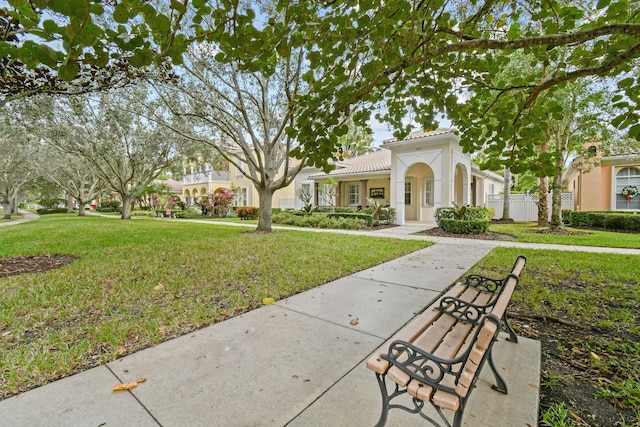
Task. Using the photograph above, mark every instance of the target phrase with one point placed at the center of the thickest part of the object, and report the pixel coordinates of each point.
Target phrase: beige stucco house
(202, 180)
(597, 182)
(415, 176)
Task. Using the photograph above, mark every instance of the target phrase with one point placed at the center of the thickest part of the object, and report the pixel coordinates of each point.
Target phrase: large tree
(110, 132)
(74, 175)
(18, 158)
(421, 57)
(245, 115)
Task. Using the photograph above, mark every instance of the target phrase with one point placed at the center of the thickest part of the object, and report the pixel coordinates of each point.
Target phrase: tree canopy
(401, 57)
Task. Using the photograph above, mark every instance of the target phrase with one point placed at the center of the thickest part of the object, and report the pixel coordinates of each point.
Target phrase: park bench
(437, 357)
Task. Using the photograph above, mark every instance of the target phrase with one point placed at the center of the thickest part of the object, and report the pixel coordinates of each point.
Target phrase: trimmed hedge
(470, 213)
(367, 218)
(463, 226)
(247, 212)
(44, 211)
(616, 220)
(317, 220)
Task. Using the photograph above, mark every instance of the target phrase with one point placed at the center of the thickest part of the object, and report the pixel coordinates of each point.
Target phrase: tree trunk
(264, 214)
(556, 198)
(506, 207)
(14, 206)
(81, 209)
(543, 202)
(69, 203)
(6, 206)
(126, 207)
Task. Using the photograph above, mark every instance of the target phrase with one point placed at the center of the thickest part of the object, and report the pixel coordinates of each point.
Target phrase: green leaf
(68, 70)
(47, 55)
(121, 13)
(141, 58)
(179, 7)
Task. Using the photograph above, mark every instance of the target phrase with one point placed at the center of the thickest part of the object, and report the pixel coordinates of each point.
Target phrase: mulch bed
(13, 266)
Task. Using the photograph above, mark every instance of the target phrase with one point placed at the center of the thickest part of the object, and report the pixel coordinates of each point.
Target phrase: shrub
(616, 220)
(462, 226)
(247, 212)
(142, 212)
(44, 211)
(319, 220)
(367, 218)
(466, 213)
(52, 203)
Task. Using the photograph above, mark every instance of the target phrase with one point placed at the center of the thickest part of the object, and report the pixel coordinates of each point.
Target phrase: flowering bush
(630, 191)
(217, 204)
(247, 212)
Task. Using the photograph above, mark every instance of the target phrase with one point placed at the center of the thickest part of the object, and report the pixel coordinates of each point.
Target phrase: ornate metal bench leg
(385, 400)
(512, 335)
(500, 385)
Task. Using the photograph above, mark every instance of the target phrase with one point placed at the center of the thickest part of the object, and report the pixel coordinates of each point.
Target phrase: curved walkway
(26, 216)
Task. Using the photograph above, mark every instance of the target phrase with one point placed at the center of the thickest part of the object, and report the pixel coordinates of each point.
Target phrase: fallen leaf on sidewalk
(125, 386)
(355, 321)
(128, 386)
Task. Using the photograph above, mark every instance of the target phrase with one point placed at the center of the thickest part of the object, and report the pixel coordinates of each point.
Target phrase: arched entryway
(419, 193)
(461, 185)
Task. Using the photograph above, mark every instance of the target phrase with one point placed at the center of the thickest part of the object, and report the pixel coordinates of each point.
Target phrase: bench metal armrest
(428, 368)
(465, 311)
(422, 366)
(483, 283)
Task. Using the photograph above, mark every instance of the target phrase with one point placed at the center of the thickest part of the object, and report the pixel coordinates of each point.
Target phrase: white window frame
(239, 169)
(409, 183)
(622, 181)
(242, 197)
(428, 192)
(353, 194)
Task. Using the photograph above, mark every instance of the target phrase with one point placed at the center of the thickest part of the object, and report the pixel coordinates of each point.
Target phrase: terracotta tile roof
(422, 134)
(378, 161)
(624, 150)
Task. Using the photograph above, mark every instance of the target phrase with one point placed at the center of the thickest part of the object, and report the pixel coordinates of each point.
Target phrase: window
(242, 197)
(492, 189)
(407, 192)
(239, 170)
(353, 194)
(428, 191)
(626, 177)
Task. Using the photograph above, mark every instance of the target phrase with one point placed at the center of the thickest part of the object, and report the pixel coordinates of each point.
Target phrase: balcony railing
(202, 177)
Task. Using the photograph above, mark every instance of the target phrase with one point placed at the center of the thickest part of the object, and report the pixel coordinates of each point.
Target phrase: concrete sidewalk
(298, 362)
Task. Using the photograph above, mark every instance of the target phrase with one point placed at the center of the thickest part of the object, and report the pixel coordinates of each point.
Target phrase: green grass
(140, 282)
(600, 292)
(13, 217)
(526, 232)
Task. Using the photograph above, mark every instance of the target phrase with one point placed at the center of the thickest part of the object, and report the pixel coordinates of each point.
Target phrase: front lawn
(138, 283)
(531, 233)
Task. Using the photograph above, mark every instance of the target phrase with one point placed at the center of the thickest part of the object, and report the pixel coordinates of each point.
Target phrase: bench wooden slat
(410, 332)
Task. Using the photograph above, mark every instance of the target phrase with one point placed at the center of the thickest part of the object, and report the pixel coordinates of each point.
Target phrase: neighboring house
(599, 187)
(175, 187)
(203, 180)
(416, 175)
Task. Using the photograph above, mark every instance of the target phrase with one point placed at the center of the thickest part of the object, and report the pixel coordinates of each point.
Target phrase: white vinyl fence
(287, 203)
(523, 207)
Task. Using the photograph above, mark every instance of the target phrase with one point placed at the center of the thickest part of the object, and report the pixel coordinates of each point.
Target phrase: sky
(382, 131)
